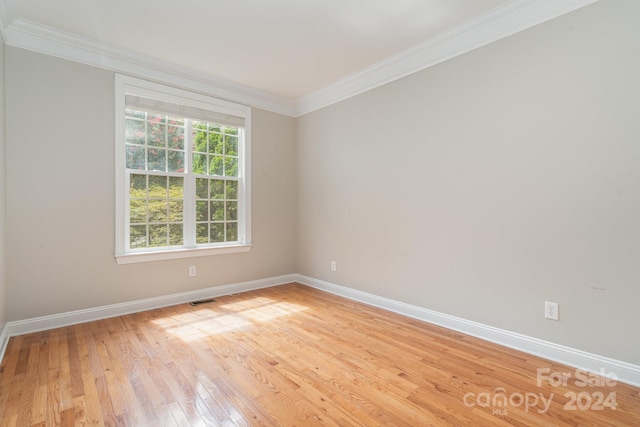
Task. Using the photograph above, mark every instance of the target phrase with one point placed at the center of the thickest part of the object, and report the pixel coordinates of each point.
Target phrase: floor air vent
(204, 301)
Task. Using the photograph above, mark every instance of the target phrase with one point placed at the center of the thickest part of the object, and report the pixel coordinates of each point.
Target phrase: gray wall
(490, 183)
(3, 276)
(60, 199)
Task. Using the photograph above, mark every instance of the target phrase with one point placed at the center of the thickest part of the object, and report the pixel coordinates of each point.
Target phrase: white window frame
(126, 84)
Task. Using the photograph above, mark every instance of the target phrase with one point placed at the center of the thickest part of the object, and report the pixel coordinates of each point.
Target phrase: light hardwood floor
(291, 356)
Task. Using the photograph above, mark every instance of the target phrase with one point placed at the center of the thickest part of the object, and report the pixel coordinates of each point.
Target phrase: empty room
(297, 213)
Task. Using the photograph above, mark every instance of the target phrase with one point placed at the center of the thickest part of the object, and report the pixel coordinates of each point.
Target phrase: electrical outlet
(192, 271)
(551, 310)
(334, 266)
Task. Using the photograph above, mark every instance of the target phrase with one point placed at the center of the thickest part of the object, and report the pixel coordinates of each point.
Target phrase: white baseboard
(625, 372)
(4, 341)
(37, 324)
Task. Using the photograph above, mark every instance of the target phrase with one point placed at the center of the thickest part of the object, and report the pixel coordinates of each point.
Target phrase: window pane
(232, 211)
(217, 189)
(157, 235)
(232, 231)
(176, 187)
(157, 134)
(202, 233)
(175, 211)
(217, 232)
(157, 160)
(215, 143)
(138, 236)
(175, 235)
(200, 163)
(175, 136)
(199, 137)
(138, 185)
(217, 211)
(138, 211)
(157, 210)
(202, 213)
(202, 191)
(135, 157)
(158, 186)
(135, 131)
(216, 165)
(232, 189)
(231, 145)
(230, 166)
(176, 161)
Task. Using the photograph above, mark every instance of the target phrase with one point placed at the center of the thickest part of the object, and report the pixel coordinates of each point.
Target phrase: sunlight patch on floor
(263, 309)
(204, 323)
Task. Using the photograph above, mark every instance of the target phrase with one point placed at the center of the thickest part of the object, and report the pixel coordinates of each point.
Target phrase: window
(182, 173)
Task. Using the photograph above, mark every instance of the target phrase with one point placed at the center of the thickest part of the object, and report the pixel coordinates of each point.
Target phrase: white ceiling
(287, 51)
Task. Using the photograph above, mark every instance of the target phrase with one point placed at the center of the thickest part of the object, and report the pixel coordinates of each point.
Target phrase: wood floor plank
(288, 355)
(93, 412)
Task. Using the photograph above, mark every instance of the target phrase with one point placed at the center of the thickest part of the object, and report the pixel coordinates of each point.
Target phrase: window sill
(132, 258)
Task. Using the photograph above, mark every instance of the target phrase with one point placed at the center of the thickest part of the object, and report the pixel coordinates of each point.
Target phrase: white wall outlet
(192, 271)
(551, 310)
(334, 266)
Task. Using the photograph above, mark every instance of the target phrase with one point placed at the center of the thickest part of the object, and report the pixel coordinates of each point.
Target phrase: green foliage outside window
(215, 149)
(156, 143)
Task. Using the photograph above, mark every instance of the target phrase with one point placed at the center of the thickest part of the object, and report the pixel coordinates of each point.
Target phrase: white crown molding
(7, 15)
(39, 38)
(625, 372)
(501, 22)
